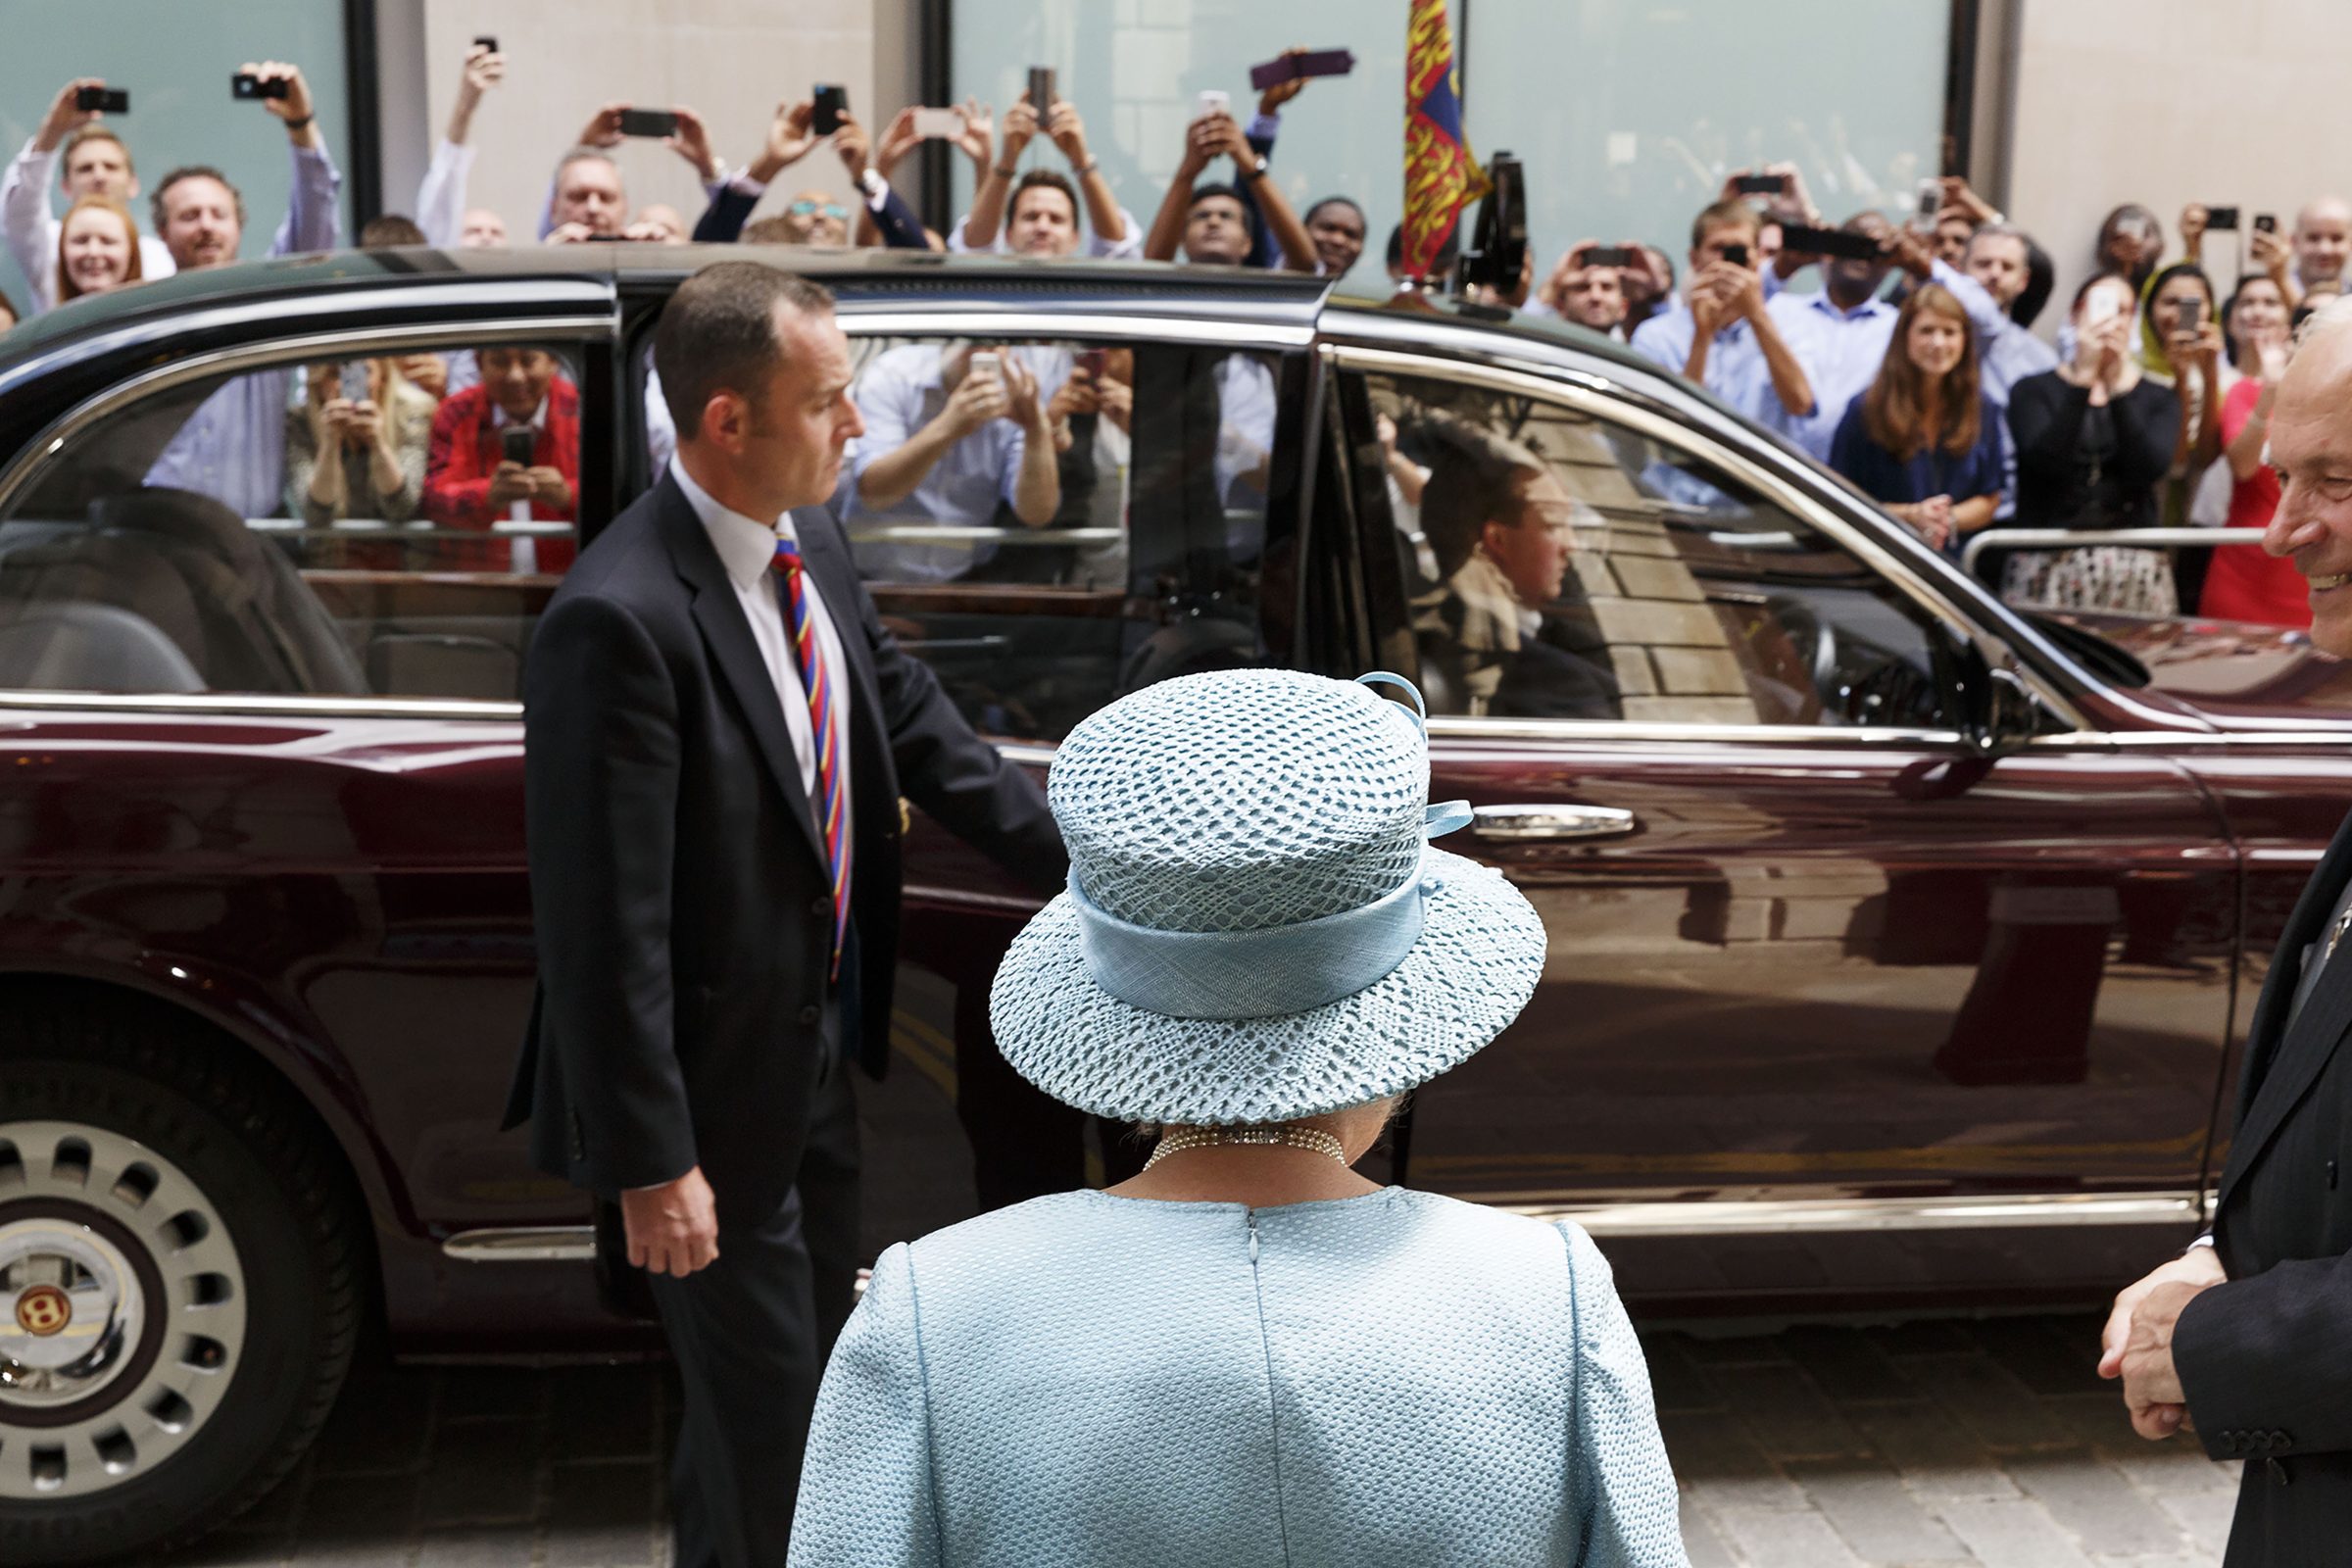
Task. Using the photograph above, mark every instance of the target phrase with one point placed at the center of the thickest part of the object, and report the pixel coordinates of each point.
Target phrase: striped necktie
(816, 680)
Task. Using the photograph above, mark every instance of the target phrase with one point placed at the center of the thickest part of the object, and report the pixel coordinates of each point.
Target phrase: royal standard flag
(1441, 177)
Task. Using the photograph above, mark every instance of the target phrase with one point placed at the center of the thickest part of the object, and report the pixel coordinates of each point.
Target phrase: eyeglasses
(808, 209)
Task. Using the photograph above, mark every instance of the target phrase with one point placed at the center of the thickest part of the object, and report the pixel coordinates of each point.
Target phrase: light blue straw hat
(1255, 927)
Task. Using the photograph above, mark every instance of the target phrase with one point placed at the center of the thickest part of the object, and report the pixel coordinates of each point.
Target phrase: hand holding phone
(2217, 218)
(2264, 222)
(485, 40)
(939, 124)
(653, 122)
(1609, 256)
(1761, 185)
(518, 443)
(248, 84)
(1294, 66)
(831, 101)
(1040, 91)
(1837, 244)
(103, 100)
(1736, 255)
(1212, 101)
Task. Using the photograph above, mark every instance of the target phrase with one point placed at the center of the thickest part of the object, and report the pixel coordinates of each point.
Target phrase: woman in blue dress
(1922, 439)
(1248, 1354)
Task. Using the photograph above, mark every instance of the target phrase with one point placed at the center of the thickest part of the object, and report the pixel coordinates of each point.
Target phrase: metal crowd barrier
(348, 527)
(2067, 538)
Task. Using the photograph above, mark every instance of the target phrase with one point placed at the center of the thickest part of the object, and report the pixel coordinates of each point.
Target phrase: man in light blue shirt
(1997, 260)
(945, 443)
(1845, 328)
(1722, 333)
(233, 447)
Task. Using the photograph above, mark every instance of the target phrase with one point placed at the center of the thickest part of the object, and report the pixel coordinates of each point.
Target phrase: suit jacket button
(2282, 1442)
(808, 1016)
(2227, 1441)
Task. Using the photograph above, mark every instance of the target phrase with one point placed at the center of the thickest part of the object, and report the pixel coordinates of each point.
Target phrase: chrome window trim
(2194, 740)
(1458, 728)
(1602, 399)
(1788, 1216)
(1056, 326)
(325, 705)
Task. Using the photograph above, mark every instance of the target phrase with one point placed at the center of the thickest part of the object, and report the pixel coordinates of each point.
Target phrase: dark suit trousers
(749, 1335)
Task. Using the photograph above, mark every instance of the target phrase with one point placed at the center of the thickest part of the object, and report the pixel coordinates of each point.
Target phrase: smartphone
(353, 382)
(1041, 90)
(648, 123)
(2189, 317)
(1736, 255)
(1761, 185)
(2220, 218)
(832, 101)
(1289, 68)
(2267, 223)
(106, 100)
(1612, 256)
(1930, 200)
(939, 124)
(1091, 361)
(1835, 243)
(1212, 101)
(484, 41)
(2104, 307)
(988, 362)
(519, 443)
(245, 84)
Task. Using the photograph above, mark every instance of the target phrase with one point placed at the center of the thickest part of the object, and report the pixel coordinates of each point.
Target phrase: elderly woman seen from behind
(1248, 1353)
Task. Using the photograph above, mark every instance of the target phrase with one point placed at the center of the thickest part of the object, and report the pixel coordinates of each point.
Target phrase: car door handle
(1509, 823)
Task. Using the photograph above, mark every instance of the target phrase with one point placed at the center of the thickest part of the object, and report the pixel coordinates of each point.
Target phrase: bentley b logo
(44, 1310)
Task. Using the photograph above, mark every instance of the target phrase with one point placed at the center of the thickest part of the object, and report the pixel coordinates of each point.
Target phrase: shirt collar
(1869, 307)
(500, 418)
(746, 547)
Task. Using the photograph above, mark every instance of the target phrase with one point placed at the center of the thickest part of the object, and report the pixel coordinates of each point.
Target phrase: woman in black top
(2093, 439)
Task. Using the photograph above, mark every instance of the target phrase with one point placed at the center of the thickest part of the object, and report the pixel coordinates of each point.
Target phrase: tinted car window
(384, 526)
(1049, 525)
(1563, 566)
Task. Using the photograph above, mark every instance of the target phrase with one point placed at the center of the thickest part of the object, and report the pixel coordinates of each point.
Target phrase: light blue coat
(1393, 1379)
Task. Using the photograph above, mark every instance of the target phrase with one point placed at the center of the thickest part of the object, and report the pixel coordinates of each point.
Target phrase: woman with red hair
(97, 248)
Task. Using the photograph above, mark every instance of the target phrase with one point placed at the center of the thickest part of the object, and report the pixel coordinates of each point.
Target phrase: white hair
(2326, 324)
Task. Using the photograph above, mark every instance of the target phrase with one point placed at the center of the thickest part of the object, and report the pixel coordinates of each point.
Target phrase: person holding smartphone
(441, 210)
(356, 447)
(1723, 333)
(2095, 438)
(84, 155)
(2245, 583)
(472, 479)
(1587, 286)
(2180, 347)
(1111, 230)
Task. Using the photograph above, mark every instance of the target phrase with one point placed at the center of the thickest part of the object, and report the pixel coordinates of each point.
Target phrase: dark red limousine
(1899, 944)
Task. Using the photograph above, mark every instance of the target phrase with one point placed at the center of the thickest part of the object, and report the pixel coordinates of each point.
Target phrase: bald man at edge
(2248, 1335)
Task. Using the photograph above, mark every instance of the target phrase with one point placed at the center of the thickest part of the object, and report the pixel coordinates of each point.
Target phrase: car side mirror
(1999, 706)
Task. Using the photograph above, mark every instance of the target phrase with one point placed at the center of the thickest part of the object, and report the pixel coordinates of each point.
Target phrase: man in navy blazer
(2248, 1335)
(687, 711)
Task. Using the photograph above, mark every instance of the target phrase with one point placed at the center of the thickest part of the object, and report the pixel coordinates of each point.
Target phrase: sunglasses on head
(808, 209)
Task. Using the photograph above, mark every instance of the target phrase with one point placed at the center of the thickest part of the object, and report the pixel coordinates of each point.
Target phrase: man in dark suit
(719, 732)
(2249, 1334)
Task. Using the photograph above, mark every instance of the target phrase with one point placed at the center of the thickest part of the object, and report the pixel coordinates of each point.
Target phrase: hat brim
(1473, 968)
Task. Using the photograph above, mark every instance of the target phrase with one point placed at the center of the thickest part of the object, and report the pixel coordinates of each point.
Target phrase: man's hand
(1270, 101)
(1068, 133)
(1020, 128)
(2201, 346)
(899, 138)
(788, 139)
(570, 234)
(510, 482)
(1958, 192)
(673, 1228)
(2192, 228)
(363, 424)
(426, 371)
(549, 486)
(1021, 405)
(979, 138)
(976, 400)
(1116, 399)
(692, 142)
(296, 104)
(64, 118)
(1909, 250)
(2122, 1354)
(2271, 349)
(485, 68)
(603, 128)
(1074, 396)
(2267, 250)
(854, 151)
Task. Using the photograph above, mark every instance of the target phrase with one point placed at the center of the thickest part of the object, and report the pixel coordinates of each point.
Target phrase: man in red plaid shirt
(469, 482)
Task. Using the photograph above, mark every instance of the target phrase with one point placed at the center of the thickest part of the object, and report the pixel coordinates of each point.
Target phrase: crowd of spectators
(2146, 405)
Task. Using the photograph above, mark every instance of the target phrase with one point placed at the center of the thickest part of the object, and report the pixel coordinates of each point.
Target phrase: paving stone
(1715, 1459)
(2028, 1349)
(2205, 1515)
(494, 1393)
(1999, 1409)
(1676, 1381)
(2102, 1510)
(480, 1547)
(1700, 1543)
(2012, 1534)
(609, 1513)
(1874, 1512)
(1769, 1538)
(2174, 1465)
(1786, 1412)
(604, 1412)
(1938, 1457)
(2096, 1419)
(484, 1472)
(382, 1421)
(1847, 1365)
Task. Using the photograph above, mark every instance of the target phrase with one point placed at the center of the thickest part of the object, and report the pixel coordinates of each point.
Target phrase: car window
(1561, 565)
(370, 526)
(1049, 525)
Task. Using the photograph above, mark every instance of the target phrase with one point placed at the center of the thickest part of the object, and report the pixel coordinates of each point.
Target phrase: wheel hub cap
(121, 1309)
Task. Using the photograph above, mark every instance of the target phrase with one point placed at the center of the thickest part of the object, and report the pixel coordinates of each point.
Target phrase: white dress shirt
(748, 550)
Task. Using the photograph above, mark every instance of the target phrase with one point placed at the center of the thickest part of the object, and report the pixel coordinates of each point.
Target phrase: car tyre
(225, 1221)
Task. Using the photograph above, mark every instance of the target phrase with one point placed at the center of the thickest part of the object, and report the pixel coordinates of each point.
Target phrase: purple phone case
(1286, 67)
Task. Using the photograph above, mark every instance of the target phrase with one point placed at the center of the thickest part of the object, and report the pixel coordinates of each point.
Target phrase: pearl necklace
(1280, 1136)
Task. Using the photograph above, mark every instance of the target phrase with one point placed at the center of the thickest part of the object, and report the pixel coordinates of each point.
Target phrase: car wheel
(178, 1286)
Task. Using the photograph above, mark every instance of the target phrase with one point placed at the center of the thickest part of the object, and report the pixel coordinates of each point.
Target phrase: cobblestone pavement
(1988, 1442)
